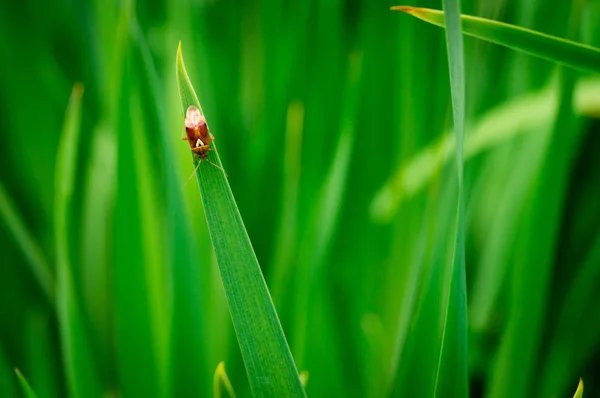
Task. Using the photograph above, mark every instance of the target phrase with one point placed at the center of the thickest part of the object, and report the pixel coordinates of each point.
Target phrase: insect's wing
(193, 117)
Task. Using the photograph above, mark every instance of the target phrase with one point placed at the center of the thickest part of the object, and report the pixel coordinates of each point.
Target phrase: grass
(340, 128)
(269, 363)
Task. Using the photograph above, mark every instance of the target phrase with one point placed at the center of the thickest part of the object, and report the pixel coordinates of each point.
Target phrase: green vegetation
(423, 205)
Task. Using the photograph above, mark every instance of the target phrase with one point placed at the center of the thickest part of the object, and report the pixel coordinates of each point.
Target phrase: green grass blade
(221, 379)
(8, 385)
(189, 372)
(579, 391)
(555, 49)
(325, 216)
(452, 378)
(42, 354)
(25, 387)
(27, 243)
(496, 127)
(77, 355)
(532, 265)
(269, 363)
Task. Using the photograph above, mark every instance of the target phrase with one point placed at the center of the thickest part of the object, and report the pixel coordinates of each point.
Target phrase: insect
(197, 134)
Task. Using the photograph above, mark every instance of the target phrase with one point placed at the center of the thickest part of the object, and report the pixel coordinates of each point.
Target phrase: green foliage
(340, 128)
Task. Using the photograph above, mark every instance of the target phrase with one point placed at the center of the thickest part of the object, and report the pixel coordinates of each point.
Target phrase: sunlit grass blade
(269, 363)
(532, 265)
(566, 52)
(495, 127)
(285, 248)
(579, 391)
(139, 285)
(221, 382)
(96, 229)
(27, 243)
(452, 378)
(25, 387)
(81, 375)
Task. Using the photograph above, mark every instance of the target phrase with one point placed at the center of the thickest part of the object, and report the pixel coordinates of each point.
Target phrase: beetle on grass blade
(198, 135)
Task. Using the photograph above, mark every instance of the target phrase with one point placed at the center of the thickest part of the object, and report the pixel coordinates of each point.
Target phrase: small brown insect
(198, 135)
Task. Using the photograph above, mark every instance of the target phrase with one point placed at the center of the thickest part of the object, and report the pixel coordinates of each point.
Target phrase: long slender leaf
(25, 387)
(496, 127)
(221, 381)
(579, 391)
(79, 363)
(269, 363)
(555, 49)
(452, 378)
(532, 266)
(27, 243)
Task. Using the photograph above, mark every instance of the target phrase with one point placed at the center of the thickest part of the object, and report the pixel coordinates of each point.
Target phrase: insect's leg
(194, 172)
(217, 166)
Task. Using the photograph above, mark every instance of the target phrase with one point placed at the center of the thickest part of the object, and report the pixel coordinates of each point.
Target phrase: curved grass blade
(77, 354)
(569, 53)
(25, 387)
(27, 243)
(267, 357)
(221, 379)
(495, 127)
(452, 378)
(532, 265)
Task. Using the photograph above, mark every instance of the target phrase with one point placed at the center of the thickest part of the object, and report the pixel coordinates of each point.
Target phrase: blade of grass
(503, 225)
(43, 368)
(325, 216)
(495, 127)
(25, 387)
(532, 267)
(555, 49)
(423, 343)
(77, 355)
(138, 276)
(221, 379)
(188, 370)
(452, 378)
(27, 243)
(285, 248)
(579, 391)
(96, 227)
(8, 385)
(269, 363)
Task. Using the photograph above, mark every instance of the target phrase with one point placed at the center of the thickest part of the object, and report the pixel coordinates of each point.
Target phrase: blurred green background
(333, 122)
